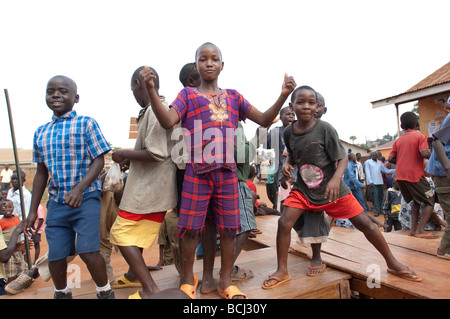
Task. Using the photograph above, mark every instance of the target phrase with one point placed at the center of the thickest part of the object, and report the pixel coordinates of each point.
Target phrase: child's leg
(397, 225)
(363, 223)
(192, 215)
(415, 212)
(285, 224)
(241, 239)
(86, 226)
(96, 266)
(442, 189)
(188, 247)
(389, 223)
(425, 214)
(133, 256)
(227, 247)
(58, 271)
(316, 259)
(209, 242)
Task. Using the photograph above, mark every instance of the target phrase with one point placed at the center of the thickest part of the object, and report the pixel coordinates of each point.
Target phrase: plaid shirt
(210, 150)
(67, 146)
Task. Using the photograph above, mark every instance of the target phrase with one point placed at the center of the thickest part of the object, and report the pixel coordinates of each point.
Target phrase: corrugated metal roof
(436, 83)
(440, 76)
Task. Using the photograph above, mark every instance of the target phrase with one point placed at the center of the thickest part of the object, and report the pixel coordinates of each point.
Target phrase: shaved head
(205, 44)
(68, 81)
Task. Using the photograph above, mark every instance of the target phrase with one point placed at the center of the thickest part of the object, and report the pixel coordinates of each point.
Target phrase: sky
(352, 52)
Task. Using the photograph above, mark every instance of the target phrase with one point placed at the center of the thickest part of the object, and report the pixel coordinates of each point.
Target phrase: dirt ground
(118, 263)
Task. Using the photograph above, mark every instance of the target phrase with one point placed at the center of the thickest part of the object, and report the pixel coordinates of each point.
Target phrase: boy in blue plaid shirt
(70, 151)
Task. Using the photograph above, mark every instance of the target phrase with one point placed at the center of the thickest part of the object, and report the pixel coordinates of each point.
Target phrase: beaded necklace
(217, 106)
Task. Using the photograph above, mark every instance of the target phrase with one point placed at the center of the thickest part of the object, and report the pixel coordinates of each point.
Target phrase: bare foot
(208, 286)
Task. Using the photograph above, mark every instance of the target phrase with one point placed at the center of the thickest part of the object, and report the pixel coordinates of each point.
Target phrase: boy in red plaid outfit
(210, 176)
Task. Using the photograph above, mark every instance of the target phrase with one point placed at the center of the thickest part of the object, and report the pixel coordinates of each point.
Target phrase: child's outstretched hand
(148, 76)
(288, 85)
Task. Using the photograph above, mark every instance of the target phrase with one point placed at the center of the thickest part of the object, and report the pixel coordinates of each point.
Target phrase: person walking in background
(374, 180)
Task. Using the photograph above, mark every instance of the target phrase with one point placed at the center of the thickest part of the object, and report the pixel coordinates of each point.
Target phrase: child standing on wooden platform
(313, 227)
(150, 191)
(69, 150)
(439, 168)
(211, 173)
(314, 146)
(408, 153)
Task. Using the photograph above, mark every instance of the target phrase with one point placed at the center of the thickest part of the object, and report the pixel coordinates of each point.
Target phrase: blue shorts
(65, 224)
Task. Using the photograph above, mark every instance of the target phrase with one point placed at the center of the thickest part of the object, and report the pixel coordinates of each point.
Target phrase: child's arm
(426, 153)
(39, 224)
(39, 185)
(441, 156)
(287, 168)
(332, 190)
(392, 159)
(74, 197)
(6, 253)
(265, 119)
(124, 154)
(167, 118)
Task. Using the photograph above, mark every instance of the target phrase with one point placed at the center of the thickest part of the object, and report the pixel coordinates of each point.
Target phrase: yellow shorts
(142, 233)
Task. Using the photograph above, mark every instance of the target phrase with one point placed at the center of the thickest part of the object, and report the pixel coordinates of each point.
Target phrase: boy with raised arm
(211, 172)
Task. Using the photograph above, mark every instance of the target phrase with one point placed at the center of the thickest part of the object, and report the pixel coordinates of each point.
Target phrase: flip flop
(405, 274)
(241, 274)
(310, 273)
(190, 290)
(136, 295)
(123, 282)
(230, 292)
(278, 279)
(427, 236)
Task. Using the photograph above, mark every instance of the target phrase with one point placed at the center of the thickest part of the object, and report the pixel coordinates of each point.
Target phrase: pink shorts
(345, 207)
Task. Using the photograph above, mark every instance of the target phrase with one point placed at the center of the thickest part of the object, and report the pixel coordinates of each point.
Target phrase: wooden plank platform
(350, 258)
(348, 250)
(334, 284)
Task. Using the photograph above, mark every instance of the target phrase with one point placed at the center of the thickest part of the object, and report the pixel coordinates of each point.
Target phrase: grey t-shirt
(315, 152)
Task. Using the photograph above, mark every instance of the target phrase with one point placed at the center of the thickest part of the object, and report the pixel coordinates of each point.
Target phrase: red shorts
(345, 207)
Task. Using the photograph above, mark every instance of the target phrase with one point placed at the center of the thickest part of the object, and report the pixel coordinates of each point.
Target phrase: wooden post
(19, 176)
(398, 120)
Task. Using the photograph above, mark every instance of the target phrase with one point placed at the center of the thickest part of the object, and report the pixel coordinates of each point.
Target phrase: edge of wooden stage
(333, 284)
(349, 251)
(350, 258)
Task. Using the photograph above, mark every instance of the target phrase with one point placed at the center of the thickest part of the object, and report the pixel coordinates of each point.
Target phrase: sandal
(278, 280)
(241, 274)
(408, 274)
(123, 282)
(311, 273)
(136, 295)
(230, 292)
(190, 290)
